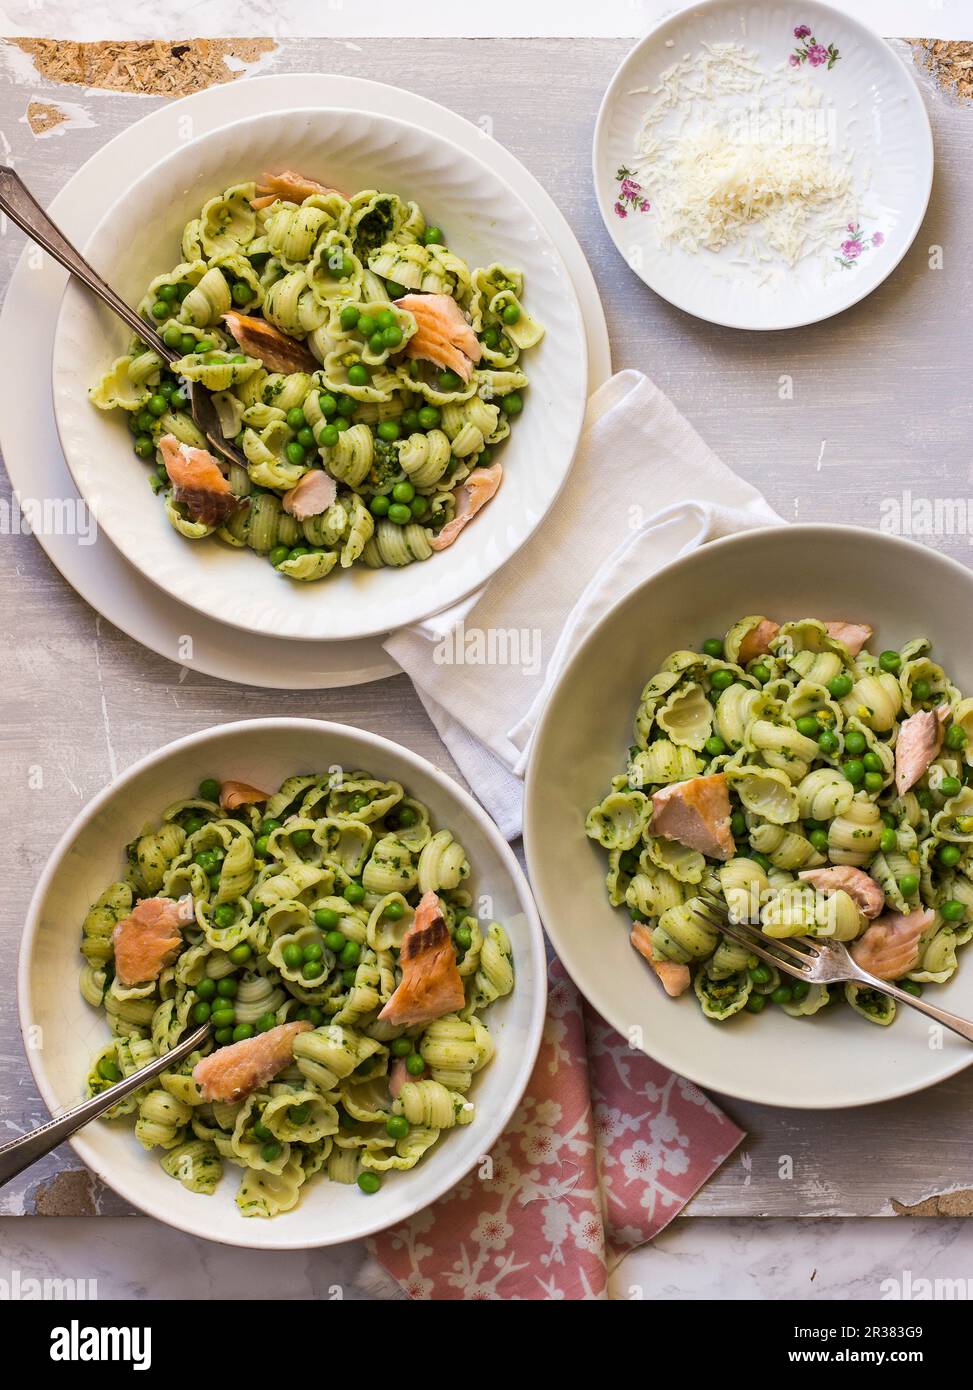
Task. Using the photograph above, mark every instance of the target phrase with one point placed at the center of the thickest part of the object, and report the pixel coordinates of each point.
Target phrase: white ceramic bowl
(868, 98)
(485, 220)
(91, 855)
(835, 1058)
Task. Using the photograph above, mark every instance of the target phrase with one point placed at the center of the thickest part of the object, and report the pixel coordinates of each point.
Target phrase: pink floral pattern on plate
(630, 195)
(855, 243)
(809, 51)
(605, 1149)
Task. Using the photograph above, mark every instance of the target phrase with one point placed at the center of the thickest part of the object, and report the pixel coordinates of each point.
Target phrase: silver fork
(20, 1153)
(819, 961)
(22, 208)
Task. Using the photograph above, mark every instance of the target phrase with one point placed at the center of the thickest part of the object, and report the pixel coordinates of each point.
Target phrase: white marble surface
(133, 1257)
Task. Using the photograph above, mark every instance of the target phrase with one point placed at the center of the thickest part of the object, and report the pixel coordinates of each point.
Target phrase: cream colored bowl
(91, 855)
(835, 1058)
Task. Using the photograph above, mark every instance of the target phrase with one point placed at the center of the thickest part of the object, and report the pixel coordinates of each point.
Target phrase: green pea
(353, 892)
(328, 436)
(714, 746)
(315, 1016)
(369, 1183)
(262, 1132)
(295, 418)
(807, 725)
(400, 514)
(410, 420)
(911, 987)
(756, 1003)
(760, 672)
(314, 950)
(782, 994)
(953, 910)
(161, 310)
(178, 400)
(300, 839)
(204, 858)
(890, 661)
(109, 1070)
(511, 313)
(376, 342)
(294, 453)
(713, 646)
(760, 974)
(342, 268)
(389, 431)
(871, 762)
(433, 236)
(889, 841)
(799, 990)
(347, 405)
(403, 492)
(721, 680)
(327, 403)
(950, 786)
(223, 1036)
(209, 789)
(144, 446)
(227, 987)
(172, 336)
(397, 1127)
(921, 690)
(393, 911)
(187, 344)
(379, 505)
(401, 1047)
(201, 1012)
(265, 1022)
(491, 337)
(762, 860)
(385, 318)
(241, 292)
(242, 1031)
(873, 781)
(429, 417)
(449, 381)
(206, 988)
(224, 915)
(299, 1114)
(205, 345)
(292, 956)
(414, 1064)
(819, 839)
(270, 1151)
(312, 969)
(326, 918)
(348, 318)
(350, 954)
(366, 325)
(854, 771)
(419, 506)
(298, 551)
(335, 941)
(464, 938)
(738, 824)
(828, 741)
(908, 884)
(949, 855)
(407, 816)
(224, 1015)
(348, 978)
(855, 742)
(924, 797)
(512, 404)
(840, 686)
(392, 336)
(358, 374)
(276, 557)
(394, 290)
(955, 736)
(157, 405)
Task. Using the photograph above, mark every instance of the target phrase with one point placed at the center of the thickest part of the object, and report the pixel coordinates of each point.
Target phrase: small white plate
(91, 854)
(32, 454)
(485, 222)
(863, 99)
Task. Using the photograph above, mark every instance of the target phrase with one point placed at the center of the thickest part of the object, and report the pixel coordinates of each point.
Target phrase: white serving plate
(141, 233)
(835, 1058)
(870, 100)
(91, 855)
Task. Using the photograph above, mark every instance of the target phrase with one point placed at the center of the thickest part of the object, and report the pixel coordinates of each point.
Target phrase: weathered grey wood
(880, 404)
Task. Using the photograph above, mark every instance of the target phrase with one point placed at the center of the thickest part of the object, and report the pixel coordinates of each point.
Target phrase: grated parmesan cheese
(761, 176)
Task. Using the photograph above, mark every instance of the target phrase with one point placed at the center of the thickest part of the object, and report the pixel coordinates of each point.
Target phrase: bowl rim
(601, 998)
(130, 1190)
(194, 597)
(620, 74)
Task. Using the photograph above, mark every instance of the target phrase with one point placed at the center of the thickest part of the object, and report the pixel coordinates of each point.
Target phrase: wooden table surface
(879, 404)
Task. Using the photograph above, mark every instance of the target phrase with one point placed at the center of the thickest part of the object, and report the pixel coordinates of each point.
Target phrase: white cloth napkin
(644, 489)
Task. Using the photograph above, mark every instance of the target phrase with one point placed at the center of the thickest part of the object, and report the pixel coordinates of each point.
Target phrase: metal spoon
(23, 209)
(21, 1153)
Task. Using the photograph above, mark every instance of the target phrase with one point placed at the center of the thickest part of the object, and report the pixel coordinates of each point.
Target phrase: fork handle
(21, 1153)
(22, 208)
(963, 1026)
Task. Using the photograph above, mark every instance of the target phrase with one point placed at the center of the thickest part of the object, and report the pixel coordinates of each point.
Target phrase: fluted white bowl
(486, 221)
(62, 1032)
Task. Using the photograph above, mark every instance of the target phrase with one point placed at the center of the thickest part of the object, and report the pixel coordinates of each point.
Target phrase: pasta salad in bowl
(810, 763)
(389, 339)
(370, 968)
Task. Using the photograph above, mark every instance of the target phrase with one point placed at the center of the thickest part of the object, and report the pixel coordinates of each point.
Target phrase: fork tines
(786, 955)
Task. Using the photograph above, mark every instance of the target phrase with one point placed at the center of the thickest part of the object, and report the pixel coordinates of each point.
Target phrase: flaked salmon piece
(853, 635)
(290, 186)
(919, 741)
(890, 946)
(675, 977)
(697, 814)
(149, 938)
(471, 495)
(398, 1076)
(230, 1073)
(311, 496)
(431, 985)
(198, 483)
(860, 887)
(234, 794)
(757, 641)
(442, 333)
(277, 351)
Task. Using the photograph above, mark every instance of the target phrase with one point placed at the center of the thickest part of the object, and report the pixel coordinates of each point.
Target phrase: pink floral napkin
(606, 1148)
